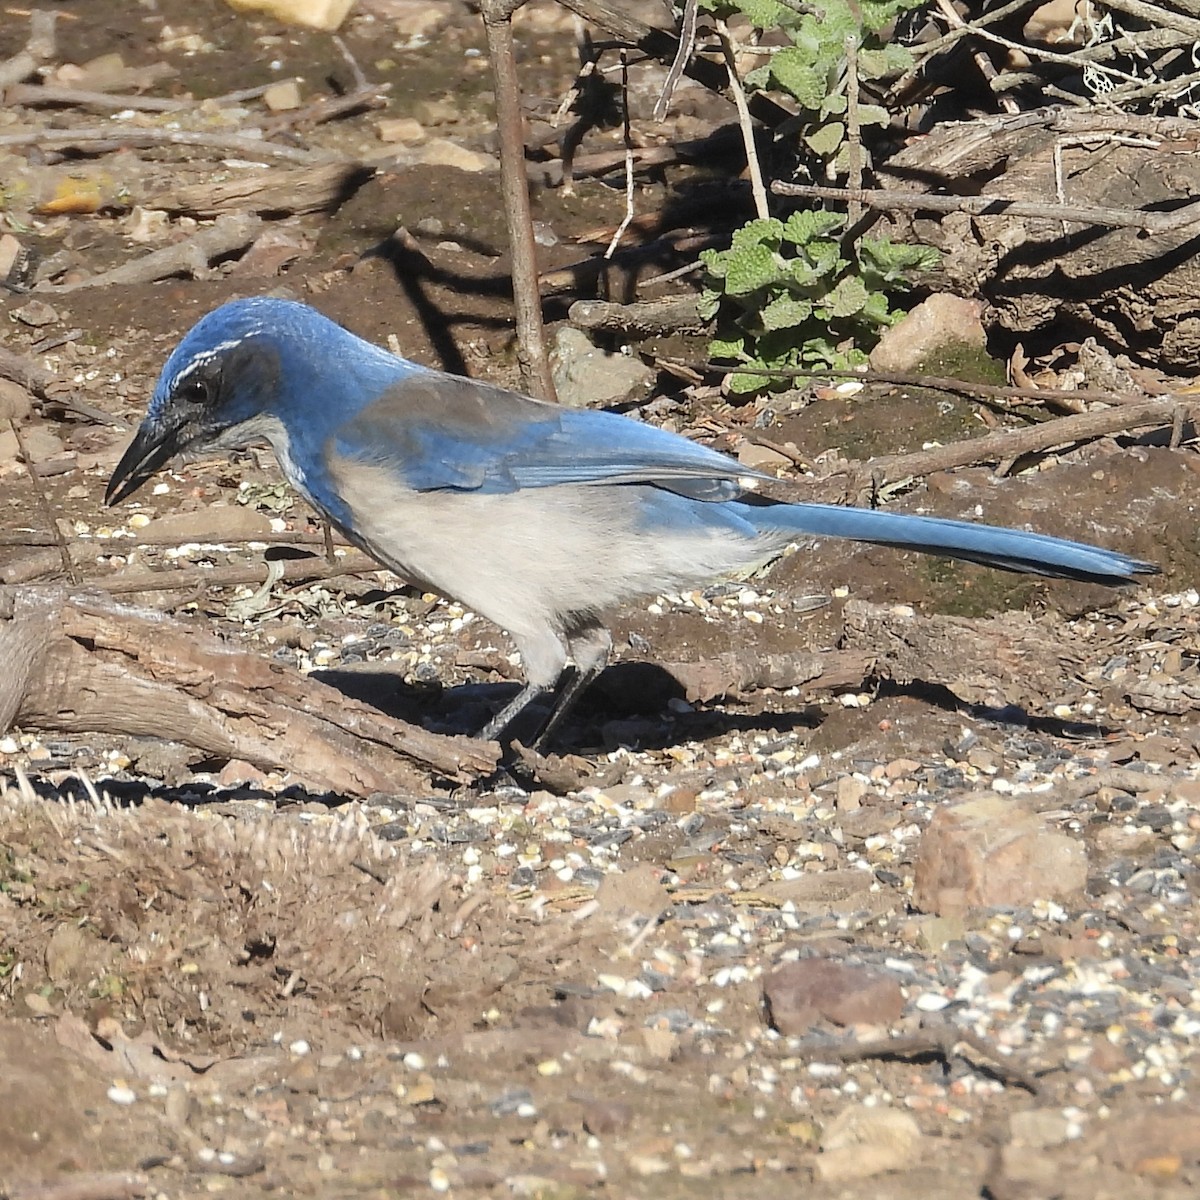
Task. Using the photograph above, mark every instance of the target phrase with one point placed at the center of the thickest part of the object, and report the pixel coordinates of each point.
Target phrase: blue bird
(539, 518)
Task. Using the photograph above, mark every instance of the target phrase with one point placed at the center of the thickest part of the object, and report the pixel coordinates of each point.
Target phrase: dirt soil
(882, 941)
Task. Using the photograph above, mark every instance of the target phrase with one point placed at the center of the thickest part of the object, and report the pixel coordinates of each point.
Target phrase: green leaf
(715, 262)
(795, 72)
(892, 59)
(895, 262)
(872, 114)
(818, 352)
(750, 269)
(810, 224)
(834, 105)
(708, 305)
(877, 311)
(825, 139)
(743, 382)
(727, 347)
(824, 257)
(777, 348)
(759, 79)
(801, 274)
(765, 14)
(786, 312)
(849, 297)
(877, 13)
(762, 231)
(836, 22)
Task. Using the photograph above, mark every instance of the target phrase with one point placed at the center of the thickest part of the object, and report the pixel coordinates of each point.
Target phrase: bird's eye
(194, 391)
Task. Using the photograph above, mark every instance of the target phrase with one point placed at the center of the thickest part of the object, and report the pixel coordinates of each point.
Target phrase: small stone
(931, 1002)
(850, 792)
(935, 324)
(991, 852)
(119, 1093)
(147, 225)
(408, 130)
(798, 994)
(237, 773)
(761, 458)
(283, 96)
(11, 252)
(586, 376)
(861, 1142)
(15, 402)
(1039, 1127)
(442, 152)
(325, 15)
(36, 314)
(211, 524)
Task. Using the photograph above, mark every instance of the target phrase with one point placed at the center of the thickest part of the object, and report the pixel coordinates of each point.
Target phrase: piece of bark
(77, 662)
(1126, 286)
(1007, 659)
(747, 671)
(647, 318)
(273, 192)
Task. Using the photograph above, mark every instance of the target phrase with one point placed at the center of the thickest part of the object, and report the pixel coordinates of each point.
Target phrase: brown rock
(798, 994)
(991, 852)
(282, 96)
(212, 524)
(15, 401)
(236, 772)
(940, 321)
(408, 130)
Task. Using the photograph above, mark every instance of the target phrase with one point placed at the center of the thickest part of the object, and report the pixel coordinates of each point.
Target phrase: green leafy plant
(786, 296)
(810, 67)
(797, 293)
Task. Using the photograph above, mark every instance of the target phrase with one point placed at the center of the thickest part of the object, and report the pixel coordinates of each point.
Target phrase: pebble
(799, 994)
(988, 852)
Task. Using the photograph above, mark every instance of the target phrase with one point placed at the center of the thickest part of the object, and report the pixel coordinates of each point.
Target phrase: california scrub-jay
(538, 517)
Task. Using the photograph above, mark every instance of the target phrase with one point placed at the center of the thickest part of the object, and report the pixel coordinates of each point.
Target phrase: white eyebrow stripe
(207, 355)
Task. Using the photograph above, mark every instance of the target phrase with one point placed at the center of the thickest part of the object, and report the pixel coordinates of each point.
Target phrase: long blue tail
(1008, 549)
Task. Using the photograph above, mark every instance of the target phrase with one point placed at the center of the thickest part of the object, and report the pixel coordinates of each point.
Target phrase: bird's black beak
(154, 444)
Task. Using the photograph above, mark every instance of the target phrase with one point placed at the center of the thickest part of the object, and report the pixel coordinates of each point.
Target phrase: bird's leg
(590, 644)
(513, 709)
(570, 687)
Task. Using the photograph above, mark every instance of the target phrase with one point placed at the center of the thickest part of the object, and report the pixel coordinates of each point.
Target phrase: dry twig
(99, 139)
(228, 234)
(1015, 443)
(999, 206)
(531, 334)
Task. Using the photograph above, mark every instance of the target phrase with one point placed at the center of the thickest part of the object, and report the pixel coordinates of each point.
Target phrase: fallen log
(78, 662)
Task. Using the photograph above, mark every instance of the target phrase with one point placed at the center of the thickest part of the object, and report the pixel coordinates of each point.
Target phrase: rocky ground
(933, 937)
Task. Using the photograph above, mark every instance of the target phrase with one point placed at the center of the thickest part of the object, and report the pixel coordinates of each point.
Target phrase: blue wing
(440, 432)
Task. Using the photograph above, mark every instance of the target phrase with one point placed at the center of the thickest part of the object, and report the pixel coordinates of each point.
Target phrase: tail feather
(994, 546)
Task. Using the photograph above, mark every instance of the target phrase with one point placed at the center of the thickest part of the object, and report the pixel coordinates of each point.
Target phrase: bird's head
(241, 374)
